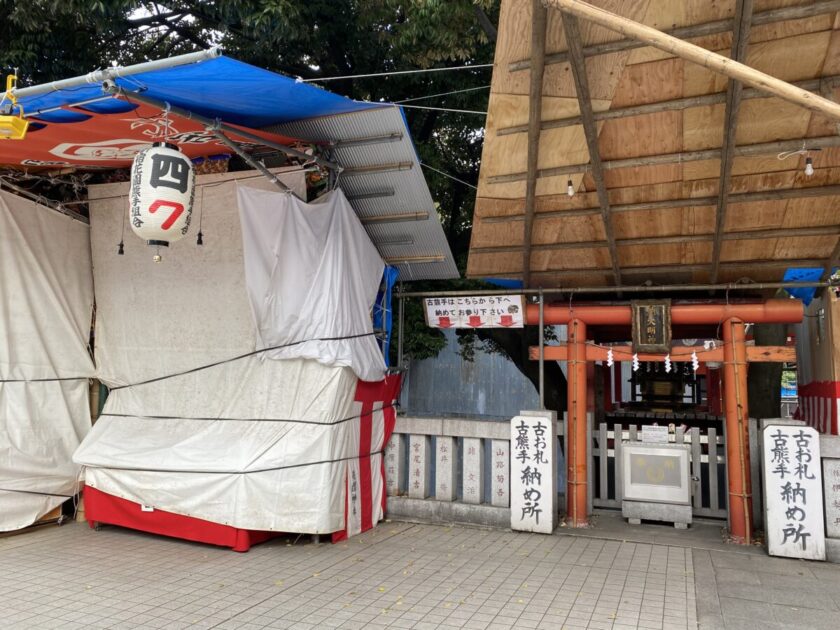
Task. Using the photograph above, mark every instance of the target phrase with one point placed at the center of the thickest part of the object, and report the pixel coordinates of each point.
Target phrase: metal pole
(251, 161)
(115, 90)
(732, 286)
(109, 74)
(401, 329)
(542, 353)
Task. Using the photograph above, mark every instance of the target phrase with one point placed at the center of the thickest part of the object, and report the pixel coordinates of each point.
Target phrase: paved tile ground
(744, 591)
(400, 575)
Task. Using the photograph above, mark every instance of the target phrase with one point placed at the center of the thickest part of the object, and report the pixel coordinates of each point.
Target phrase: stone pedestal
(636, 511)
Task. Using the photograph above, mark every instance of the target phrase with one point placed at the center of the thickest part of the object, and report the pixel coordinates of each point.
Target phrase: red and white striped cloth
(819, 406)
(375, 403)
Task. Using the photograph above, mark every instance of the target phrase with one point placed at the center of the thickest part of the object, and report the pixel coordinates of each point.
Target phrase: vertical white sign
(532, 473)
(831, 478)
(473, 485)
(500, 473)
(793, 490)
(419, 468)
(394, 458)
(445, 469)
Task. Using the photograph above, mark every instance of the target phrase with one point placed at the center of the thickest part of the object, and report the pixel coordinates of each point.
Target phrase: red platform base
(101, 507)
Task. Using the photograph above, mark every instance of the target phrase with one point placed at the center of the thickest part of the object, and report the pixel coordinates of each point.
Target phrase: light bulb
(157, 258)
(809, 167)
(570, 190)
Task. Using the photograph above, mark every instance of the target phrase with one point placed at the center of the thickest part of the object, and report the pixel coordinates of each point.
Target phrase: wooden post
(740, 36)
(696, 54)
(737, 432)
(576, 451)
(539, 19)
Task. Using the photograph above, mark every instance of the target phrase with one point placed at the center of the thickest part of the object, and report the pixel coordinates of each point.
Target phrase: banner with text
(485, 311)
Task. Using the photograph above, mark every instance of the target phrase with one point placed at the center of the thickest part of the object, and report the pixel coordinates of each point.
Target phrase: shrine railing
(458, 469)
(449, 470)
(707, 461)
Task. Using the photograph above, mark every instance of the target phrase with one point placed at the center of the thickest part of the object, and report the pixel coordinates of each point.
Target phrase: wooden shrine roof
(661, 123)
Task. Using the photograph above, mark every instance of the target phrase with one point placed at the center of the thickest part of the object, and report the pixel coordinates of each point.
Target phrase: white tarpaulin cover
(312, 274)
(46, 304)
(250, 443)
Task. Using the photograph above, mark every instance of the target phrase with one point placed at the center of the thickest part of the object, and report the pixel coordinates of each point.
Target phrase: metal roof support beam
(669, 204)
(741, 35)
(373, 194)
(676, 268)
(745, 150)
(361, 142)
(643, 288)
(394, 218)
(590, 129)
(824, 85)
(539, 20)
(820, 230)
(377, 168)
(407, 260)
(696, 30)
(696, 54)
(252, 162)
(212, 123)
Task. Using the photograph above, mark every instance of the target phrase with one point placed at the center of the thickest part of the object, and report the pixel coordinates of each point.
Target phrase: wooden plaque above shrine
(651, 325)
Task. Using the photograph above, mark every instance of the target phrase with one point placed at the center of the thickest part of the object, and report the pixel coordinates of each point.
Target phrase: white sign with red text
(484, 311)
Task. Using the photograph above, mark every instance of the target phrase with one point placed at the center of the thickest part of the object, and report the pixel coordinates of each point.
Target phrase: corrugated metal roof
(395, 205)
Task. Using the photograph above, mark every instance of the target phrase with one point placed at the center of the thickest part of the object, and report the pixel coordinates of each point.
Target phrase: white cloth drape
(46, 304)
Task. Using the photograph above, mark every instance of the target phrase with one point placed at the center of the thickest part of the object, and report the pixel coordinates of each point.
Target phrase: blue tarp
(237, 92)
(808, 274)
(382, 312)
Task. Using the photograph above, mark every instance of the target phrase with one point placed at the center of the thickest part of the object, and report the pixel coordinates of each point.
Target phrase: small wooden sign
(651, 325)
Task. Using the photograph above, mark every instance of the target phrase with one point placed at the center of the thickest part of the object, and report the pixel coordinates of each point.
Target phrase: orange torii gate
(735, 355)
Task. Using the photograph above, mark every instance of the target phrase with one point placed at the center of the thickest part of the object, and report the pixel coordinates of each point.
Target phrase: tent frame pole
(109, 74)
(253, 163)
(214, 124)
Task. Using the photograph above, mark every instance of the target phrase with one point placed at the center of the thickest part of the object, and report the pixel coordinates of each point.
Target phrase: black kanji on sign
(170, 171)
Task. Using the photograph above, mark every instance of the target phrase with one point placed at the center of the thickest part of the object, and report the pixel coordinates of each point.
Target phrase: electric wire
(398, 72)
(447, 109)
(419, 98)
(452, 177)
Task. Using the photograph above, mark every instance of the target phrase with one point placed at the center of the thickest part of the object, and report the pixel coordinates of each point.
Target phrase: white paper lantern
(161, 196)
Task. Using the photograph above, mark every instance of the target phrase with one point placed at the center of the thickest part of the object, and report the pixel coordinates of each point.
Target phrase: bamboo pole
(696, 54)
